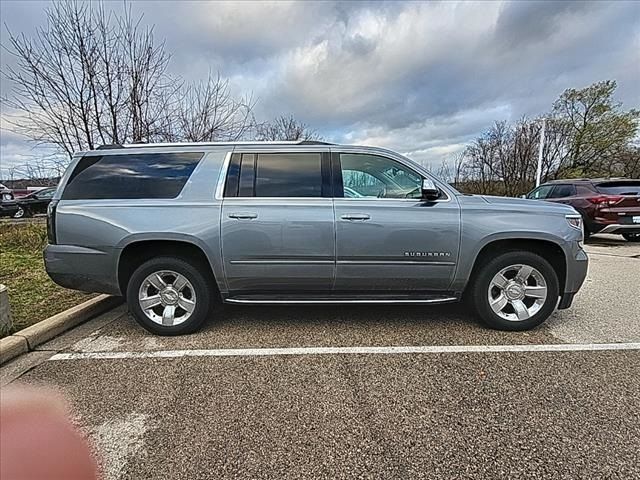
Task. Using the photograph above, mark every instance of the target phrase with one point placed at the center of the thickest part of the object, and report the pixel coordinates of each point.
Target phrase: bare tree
(286, 127)
(92, 76)
(38, 171)
(89, 77)
(503, 160)
(208, 111)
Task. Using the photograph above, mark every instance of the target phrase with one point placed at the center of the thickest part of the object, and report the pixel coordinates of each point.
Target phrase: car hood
(528, 205)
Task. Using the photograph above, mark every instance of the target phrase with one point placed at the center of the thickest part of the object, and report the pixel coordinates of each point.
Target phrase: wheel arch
(547, 248)
(141, 249)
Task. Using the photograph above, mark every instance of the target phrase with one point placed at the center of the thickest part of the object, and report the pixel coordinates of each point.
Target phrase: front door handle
(243, 216)
(355, 216)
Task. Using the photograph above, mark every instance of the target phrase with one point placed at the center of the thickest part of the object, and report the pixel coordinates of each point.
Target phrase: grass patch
(32, 294)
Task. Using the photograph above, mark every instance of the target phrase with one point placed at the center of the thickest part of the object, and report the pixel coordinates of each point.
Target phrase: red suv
(606, 205)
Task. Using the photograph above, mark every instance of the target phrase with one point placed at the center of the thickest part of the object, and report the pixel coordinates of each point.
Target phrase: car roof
(569, 181)
(302, 146)
(213, 144)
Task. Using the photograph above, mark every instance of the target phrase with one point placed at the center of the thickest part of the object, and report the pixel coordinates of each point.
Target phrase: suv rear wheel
(169, 296)
(631, 237)
(517, 290)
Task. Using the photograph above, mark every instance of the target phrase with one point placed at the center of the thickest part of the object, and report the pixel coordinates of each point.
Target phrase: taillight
(51, 222)
(606, 200)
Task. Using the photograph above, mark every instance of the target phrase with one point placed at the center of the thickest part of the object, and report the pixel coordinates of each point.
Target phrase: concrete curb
(29, 338)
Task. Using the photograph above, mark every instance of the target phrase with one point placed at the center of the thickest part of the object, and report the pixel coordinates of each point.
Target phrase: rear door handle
(243, 216)
(355, 216)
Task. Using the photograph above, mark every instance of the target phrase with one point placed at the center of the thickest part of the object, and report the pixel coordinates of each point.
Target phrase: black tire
(21, 213)
(198, 278)
(631, 237)
(482, 279)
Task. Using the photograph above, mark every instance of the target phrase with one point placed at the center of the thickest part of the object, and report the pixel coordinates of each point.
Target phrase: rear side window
(619, 188)
(583, 190)
(288, 175)
(276, 175)
(146, 175)
(561, 191)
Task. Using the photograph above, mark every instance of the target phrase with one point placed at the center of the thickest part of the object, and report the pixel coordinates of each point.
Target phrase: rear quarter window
(137, 176)
(619, 188)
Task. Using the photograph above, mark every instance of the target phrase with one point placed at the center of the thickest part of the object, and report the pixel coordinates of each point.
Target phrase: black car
(8, 206)
(36, 202)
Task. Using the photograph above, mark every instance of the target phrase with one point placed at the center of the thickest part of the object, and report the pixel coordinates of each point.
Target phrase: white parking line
(258, 352)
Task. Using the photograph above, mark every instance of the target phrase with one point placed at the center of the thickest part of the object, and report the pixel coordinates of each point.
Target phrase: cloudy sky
(421, 78)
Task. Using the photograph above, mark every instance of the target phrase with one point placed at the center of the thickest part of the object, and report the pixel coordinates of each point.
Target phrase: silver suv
(178, 228)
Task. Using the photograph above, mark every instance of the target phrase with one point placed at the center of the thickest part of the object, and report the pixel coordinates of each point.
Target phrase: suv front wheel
(517, 290)
(169, 296)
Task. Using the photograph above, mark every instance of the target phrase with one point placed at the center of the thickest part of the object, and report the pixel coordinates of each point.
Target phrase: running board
(273, 300)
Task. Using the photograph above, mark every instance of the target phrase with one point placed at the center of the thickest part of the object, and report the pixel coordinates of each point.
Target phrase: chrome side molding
(339, 301)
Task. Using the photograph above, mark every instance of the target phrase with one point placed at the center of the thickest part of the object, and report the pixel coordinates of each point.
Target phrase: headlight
(575, 221)
(7, 196)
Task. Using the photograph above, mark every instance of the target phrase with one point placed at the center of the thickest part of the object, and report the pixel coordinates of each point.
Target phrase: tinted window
(247, 175)
(619, 188)
(233, 176)
(540, 192)
(148, 175)
(288, 175)
(45, 194)
(583, 190)
(562, 191)
(379, 177)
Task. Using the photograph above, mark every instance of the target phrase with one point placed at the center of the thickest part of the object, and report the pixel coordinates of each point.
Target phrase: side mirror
(523, 196)
(429, 190)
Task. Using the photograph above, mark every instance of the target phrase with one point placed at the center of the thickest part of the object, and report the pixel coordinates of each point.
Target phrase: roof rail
(109, 146)
(205, 144)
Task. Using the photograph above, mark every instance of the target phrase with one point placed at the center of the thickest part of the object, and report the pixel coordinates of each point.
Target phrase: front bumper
(80, 268)
(8, 209)
(577, 266)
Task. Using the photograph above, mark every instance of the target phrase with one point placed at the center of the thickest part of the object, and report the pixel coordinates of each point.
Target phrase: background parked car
(8, 206)
(606, 205)
(35, 202)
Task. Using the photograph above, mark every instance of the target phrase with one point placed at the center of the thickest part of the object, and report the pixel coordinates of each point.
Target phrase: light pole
(540, 148)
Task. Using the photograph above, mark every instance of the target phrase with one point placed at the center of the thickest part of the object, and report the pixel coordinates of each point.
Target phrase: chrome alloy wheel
(517, 292)
(167, 298)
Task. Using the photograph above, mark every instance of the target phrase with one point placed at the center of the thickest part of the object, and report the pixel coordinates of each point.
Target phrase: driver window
(540, 192)
(45, 194)
(372, 176)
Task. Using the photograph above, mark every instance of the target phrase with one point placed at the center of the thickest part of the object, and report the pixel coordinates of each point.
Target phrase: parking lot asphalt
(153, 410)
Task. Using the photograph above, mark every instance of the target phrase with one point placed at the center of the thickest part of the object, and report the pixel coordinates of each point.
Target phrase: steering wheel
(410, 193)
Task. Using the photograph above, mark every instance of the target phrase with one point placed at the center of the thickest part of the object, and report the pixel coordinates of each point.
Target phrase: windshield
(620, 188)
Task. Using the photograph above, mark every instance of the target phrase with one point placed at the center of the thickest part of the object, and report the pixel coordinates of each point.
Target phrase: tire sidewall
(486, 274)
(197, 278)
(630, 237)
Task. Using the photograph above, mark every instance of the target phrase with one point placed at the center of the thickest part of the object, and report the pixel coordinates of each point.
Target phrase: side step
(340, 299)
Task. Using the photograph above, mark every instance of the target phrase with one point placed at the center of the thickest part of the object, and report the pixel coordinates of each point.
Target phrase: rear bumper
(619, 228)
(80, 268)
